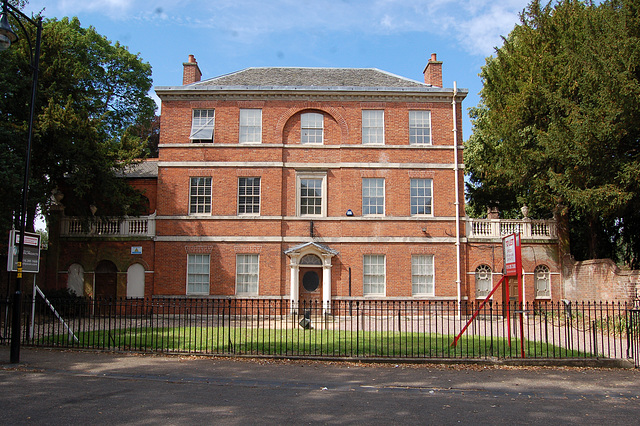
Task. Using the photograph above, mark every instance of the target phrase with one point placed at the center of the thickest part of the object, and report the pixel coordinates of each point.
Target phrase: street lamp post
(7, 36)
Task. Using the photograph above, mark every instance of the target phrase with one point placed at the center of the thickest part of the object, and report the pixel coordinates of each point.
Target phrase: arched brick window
(135, 281)
(542, 278)
(484, 281)
(75, 282)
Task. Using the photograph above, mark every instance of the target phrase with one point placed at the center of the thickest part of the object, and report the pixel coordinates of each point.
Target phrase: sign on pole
(511, 247)
(511, 250)
(30, 254)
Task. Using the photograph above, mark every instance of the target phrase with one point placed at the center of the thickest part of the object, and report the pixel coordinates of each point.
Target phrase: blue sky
(397, 36)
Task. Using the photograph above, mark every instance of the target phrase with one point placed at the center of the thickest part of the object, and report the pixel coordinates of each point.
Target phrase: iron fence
(411, 329)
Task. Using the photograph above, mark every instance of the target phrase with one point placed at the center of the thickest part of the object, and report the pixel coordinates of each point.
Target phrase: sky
(397, 36)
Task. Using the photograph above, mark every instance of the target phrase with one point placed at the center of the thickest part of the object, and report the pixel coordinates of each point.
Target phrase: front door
(310, 286)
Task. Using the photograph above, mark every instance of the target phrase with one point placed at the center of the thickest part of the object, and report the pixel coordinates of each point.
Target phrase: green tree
(558, 124)
(92, 95)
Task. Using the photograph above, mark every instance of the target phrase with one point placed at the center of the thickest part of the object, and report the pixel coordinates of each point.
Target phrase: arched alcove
(106, 280)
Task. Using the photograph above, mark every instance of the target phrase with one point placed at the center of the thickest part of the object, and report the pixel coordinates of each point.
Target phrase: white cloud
(107, 7)
(482, 32)
(476, 24)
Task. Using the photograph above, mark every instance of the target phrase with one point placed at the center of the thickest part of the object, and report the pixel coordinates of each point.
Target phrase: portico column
(294, 288)
(326, 285)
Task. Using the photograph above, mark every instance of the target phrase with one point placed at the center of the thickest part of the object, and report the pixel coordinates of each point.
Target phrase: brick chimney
(191, 73)
(433, 72)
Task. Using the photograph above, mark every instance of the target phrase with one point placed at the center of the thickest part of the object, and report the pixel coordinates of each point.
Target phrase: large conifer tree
(558, 126)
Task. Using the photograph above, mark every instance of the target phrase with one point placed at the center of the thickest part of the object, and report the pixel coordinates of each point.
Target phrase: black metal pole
(15, 332)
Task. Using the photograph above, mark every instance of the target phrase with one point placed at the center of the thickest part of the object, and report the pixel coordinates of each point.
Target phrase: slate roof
(145, 169)
(311, 77)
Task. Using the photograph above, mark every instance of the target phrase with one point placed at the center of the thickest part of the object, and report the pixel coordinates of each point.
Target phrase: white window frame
(250, 126)
(420, 127)
(539, 273)
(250, 199)
(202, 125)
(483, 275)
(418, 196)
(374, 269)
(198, 274)
(372, 127)
(320, 176)
(247, 274)
(312, 128)
(370, 193)
(422, 275)
(202, 196)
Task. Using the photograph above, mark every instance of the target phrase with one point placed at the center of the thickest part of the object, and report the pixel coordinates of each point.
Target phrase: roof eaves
(192, 88)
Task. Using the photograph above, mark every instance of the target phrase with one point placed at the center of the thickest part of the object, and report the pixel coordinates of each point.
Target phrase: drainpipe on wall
(457, 189)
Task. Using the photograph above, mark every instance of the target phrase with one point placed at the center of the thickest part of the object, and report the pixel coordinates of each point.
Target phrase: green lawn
(294, 342)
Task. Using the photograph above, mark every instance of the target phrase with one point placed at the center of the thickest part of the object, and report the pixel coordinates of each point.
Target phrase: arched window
(483, 281)
(135, 281)
(75, 280)
(311, 128)
(542, 278)
(310, 259)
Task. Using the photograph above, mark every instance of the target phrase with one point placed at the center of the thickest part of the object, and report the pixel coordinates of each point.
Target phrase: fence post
(595, 336)
(633, 335)
(357, 328)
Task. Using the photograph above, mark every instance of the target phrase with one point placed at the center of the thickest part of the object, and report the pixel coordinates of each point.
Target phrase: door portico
(310, 256)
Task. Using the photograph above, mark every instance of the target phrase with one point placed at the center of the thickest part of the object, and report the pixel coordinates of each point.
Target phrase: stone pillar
(294, 288)
(326, 285)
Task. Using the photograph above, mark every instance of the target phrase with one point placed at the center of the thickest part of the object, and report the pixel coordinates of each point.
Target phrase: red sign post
(512, 268)
(511, 248)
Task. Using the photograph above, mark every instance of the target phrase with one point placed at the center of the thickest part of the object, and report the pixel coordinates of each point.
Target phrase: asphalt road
(60, 387)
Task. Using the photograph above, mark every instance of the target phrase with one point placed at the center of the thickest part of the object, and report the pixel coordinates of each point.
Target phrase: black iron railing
(411, 329)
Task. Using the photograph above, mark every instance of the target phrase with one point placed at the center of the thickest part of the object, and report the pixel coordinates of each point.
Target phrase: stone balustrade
(142, 226)
(498, 228)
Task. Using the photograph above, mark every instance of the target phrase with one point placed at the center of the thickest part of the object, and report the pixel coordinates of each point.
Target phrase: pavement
(58, 387)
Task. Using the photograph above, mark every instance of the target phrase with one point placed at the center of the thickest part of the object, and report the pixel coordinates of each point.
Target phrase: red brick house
(306, 184)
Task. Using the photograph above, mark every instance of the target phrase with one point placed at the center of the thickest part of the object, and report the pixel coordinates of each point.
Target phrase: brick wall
(148, 187)
(281, 145)
(599, 280)
(89, 254)
(533, 254)
(281, 121)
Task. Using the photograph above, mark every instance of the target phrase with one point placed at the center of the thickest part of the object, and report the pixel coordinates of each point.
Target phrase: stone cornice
(307, 95)
(307, 166)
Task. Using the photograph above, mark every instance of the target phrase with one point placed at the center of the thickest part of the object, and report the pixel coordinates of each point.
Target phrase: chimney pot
(191, 71)
(433, 72)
